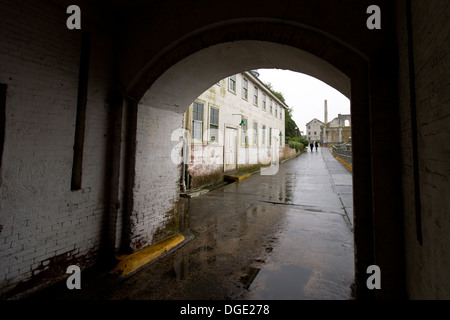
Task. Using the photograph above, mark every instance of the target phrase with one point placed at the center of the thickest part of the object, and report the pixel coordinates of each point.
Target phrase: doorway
(230, 149)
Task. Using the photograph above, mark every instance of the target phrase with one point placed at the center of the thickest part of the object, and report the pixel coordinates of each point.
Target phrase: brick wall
(428, 261)
(157, 178)
(44, 225)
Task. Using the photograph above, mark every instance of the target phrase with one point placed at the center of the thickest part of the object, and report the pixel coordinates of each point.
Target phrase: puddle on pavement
(286, 283)
(250, 276)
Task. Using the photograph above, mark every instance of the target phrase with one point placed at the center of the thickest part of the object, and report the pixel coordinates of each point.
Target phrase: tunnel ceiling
(158, 35)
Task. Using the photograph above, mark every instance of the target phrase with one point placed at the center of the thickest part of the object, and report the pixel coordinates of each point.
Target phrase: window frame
(255, 95)
(270, 137)
(263, 134)
(264, 101)
(245, 88)
(216, 126)
(197, 121)
(255, 133)
(232, 83)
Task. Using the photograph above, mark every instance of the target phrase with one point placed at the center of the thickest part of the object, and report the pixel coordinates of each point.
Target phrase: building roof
(255, 79)
(313, 120)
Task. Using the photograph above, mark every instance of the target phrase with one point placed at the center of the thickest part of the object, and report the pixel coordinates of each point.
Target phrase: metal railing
(344, 153)
(343, 149)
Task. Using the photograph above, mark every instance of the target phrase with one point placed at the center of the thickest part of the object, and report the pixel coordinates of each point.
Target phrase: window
(263, 135)
(270, 136)
(281, 113)
(255, 95)
(270, 106)
(213, 124)
(232, 84)
(197, 121)
(276, 110)
(245, 89)
(255, 133)
(244, 132)
(264, 102)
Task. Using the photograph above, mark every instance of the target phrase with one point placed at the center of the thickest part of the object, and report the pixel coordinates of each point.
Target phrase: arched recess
(157, 96)
(175, 89)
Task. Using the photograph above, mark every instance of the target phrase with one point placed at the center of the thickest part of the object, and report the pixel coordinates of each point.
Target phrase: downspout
(183, 176)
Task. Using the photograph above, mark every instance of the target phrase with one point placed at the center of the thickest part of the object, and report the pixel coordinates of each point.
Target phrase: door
(230, 147)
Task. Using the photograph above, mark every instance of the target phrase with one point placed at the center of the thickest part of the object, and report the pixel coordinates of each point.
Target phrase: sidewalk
(268, 237)
(342, 181)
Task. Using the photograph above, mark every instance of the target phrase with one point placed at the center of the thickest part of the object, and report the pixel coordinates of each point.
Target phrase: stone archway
(165, 82)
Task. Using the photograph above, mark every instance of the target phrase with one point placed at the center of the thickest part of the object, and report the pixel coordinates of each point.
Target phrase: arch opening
(176, 89)
(160, 112)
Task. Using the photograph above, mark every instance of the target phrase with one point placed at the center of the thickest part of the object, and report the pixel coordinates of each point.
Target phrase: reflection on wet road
(287, 282)
(286, 236)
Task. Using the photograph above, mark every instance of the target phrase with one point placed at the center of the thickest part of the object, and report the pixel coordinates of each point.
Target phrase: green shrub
(296, 145)
(300, 140)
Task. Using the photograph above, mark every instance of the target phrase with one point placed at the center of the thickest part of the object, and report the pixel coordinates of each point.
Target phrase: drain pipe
(183, 179)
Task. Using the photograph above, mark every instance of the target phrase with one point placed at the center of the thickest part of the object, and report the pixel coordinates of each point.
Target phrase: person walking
(317, 145)
(311, 146)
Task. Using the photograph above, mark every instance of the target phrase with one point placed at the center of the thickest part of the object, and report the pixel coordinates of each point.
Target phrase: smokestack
(326, 112)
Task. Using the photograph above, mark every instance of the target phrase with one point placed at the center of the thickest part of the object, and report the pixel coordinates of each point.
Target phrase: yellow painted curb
(237, 178)
(349, 167)
(132, 262)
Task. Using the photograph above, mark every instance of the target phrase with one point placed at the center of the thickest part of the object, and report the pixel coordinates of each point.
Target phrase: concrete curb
(236, 177)
(349, 167)
(135, 261)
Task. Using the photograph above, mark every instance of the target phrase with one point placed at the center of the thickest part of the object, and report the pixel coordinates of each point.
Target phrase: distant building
(314, 130)
(238, 123)
(338, 130)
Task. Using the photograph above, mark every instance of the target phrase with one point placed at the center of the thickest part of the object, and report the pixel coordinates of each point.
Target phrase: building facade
(314, 130)
(237, 124)
(338, 130)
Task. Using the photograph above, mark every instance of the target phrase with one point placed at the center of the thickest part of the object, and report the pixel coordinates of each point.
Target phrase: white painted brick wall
(41, 217)
(157, 180)
(231, 105)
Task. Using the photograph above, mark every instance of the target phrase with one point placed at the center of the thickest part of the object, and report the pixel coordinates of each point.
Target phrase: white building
(337, 130)
(314, 130)
(237, 124)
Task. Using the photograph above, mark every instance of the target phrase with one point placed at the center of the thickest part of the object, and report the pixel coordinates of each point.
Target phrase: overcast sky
(306, 95)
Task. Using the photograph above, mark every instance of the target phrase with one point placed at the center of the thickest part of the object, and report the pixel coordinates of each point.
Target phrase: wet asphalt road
(283, 236)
